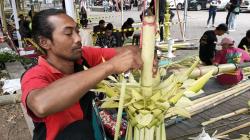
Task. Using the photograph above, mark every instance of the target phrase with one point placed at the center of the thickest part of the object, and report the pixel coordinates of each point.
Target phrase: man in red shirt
(55, 92)
(230, 54)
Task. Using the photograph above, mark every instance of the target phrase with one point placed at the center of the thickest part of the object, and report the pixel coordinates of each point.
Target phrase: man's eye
(68, 33)
(77, 31)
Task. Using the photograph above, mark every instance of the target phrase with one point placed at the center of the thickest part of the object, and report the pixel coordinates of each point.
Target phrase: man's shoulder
(209, 32)
(244, 39)
(34, 71)
(96, 28)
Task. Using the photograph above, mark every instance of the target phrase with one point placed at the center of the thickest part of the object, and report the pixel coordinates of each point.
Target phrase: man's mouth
(77, 48)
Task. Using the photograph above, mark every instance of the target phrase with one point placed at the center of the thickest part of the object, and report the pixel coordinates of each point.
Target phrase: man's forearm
(124, 48)
(65, 92)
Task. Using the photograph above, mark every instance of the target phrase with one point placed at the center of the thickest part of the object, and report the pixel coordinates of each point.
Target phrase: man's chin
(76, 57)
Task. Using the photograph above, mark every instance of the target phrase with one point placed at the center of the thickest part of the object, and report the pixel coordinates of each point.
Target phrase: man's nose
(77, 38)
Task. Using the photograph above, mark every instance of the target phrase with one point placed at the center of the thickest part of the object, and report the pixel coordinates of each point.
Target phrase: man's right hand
(128, 58)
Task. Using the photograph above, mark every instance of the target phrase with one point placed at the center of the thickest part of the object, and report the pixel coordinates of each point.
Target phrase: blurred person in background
(127, 25)
(230, 54)
(100, 27)
(212, 12)
(245, 42)
(83, 17)
(208, 43)
(234, 12)
(107, 40)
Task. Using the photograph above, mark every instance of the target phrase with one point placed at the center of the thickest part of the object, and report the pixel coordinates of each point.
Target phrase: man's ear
(44, 42)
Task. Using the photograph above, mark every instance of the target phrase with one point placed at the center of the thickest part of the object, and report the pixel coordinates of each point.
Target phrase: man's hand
(127, 58)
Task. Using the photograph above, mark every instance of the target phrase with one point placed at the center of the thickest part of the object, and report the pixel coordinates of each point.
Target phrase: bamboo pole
(237, 112)
(216, 99)
(185, 20)
(122, 13)
(69, 4)
(167, 23)
(235, 129)
(157, 13)
(148, 45)
(13, 2)
(120, 109)
(205, 98)
(23, 3)
(10, 99)
(222, 97)
(2, 15)
(179, 20)
(18, 6)
(177, 45)
(197, 72)
(210, 96)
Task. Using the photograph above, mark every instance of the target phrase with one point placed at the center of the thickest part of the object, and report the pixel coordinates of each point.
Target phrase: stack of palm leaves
(147, 100)
(146, 114)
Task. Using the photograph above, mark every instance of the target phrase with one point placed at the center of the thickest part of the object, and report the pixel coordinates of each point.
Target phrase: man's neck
(66, 67)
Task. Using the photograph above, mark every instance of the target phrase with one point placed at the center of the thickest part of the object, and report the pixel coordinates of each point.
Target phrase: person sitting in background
(245, 41)
(24, 30)
(230, 54)
(100, 27)
(31, 12)
(127, 25)
(83, 17)
(107, 40)
(208, 43)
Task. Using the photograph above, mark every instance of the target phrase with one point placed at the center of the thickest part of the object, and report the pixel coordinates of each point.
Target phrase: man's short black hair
(222, 27)
(41, 26)
(130, 21)
(101, 22)
(109, 26)
(248, 34)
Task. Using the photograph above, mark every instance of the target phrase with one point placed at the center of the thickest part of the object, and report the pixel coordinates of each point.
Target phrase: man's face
(102, 25)
(220, 32)
(225, 46)
(66, 44)
(248, 39)
(108, 33)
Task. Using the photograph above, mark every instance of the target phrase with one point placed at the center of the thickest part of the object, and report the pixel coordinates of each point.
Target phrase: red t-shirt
(43, 74)
(231, 55)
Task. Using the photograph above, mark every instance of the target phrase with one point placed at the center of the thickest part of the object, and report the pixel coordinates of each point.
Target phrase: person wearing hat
(245, 41)
(208, 43)
(230, 54)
